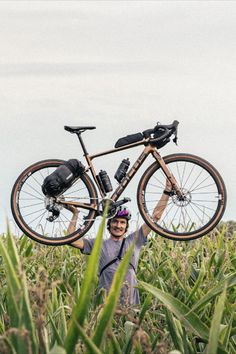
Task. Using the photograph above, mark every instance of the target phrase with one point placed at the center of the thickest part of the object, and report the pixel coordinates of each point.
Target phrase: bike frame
(149, 149)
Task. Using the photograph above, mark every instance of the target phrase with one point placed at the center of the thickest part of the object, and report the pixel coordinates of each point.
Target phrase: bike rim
(201, 205)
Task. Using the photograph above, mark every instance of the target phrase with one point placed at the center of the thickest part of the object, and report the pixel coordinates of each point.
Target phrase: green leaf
(230, 281)
(181, 311)
(18, 299)
(11, 247)
(80, 309)
(145, 307)
(198, 282)
(57, 336)
(62, 321)
(114, 343)
(212, 346)
(112, 299)
(93, 349)
(174, 331)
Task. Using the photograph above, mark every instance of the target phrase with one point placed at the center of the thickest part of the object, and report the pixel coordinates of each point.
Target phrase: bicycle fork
(167, 172)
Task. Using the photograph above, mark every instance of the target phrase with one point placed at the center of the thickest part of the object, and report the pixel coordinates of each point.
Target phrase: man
(114, 248)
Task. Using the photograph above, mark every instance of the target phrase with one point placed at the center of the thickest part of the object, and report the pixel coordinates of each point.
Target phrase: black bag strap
(121, 249)
(117, 258)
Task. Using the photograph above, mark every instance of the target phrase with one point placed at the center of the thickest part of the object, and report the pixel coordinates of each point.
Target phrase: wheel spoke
(40, 220)
(199, 205)
(33, 212)
(180, 180)
(40, 184)
(33, 189)
(32, 195)
(190, 188)
(171, 223)
(190, 219)
(168, 212)
(183, 174)
(75, 191)
(30, 205)
(200, 183)
(209, 185)
(37, 217)
(195, 209)
(156, 186)
(189, 176)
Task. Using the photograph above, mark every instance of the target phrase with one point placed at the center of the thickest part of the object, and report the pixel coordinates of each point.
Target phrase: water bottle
(106, 183)
(122, 169)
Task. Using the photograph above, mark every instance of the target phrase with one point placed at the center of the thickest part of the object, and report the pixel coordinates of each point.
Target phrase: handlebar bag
(62, 178)
(162, 142)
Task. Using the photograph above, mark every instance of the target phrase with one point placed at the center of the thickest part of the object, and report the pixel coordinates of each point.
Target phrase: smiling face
(118, 227)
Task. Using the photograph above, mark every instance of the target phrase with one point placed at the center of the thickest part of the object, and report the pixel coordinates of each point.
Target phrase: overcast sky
(120, 66)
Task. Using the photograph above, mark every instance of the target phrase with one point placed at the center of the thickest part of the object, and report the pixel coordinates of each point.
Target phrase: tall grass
(49, 302)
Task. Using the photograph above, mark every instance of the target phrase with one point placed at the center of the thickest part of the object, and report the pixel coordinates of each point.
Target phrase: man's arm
(158, 210)
(78, 244)
(72, 226)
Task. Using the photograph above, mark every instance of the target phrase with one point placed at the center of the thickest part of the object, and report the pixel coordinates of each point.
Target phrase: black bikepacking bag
(162, 142)
(62, 178)
(129, 139)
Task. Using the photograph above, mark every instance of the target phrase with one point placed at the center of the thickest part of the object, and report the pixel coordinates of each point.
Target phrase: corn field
(187, 290)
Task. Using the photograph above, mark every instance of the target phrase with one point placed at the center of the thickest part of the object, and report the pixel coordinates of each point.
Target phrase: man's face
(118, 227)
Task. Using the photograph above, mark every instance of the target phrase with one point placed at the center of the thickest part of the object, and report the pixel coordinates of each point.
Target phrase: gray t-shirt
(110, 250)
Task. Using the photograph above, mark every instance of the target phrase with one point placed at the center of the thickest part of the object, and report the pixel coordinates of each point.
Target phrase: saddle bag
(62, 178)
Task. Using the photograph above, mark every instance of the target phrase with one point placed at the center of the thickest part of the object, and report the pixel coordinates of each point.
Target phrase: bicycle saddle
(77, 129)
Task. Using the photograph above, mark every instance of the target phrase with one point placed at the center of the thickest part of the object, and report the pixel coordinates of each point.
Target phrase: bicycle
(196, 203)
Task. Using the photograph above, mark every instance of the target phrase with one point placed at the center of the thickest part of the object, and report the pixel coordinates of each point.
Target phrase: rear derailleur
(53, 209)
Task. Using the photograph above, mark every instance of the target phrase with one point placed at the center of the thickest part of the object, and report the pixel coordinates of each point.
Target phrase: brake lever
(176, 132)
(175, 139)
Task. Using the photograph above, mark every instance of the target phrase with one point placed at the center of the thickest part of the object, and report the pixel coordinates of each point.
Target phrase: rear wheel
(31, 208)
(203, 197)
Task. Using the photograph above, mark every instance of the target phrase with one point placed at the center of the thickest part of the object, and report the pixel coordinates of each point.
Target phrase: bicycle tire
(215, 194)
(32, 178)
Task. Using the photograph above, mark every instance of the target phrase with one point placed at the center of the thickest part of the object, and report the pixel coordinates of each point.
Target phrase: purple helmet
(123, 212)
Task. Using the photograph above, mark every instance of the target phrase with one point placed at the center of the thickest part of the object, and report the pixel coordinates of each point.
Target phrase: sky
(121, 66)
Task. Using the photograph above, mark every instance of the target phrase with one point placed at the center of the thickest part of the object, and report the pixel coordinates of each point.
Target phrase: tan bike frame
(149, 149)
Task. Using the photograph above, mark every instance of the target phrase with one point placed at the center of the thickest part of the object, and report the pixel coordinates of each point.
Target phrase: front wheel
(31, 208)
(199, 209)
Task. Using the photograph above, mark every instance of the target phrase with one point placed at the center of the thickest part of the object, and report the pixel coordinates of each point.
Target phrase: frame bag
(62, 178)
(129, 139)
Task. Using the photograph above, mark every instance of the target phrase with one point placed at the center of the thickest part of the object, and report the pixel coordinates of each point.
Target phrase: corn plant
(48, 300)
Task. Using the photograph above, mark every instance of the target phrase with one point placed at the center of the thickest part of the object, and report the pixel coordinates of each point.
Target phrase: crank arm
(123, 201)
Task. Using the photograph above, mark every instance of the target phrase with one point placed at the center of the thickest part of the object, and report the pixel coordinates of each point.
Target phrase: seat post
(82, 143)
